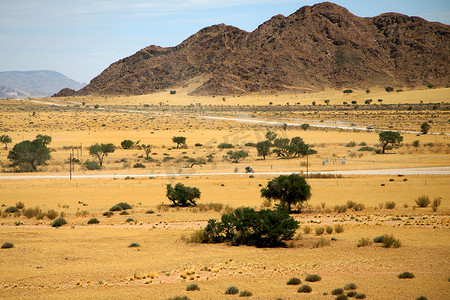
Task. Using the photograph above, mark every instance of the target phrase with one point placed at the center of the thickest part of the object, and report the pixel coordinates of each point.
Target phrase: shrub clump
(329, 229)
(124, 213)
(59, 222)
(11, 209)
(304, 289)
(390, 205)
(192, 287)
(120, 206)
(389, 241)
(341, 297)
(423, 201)
(7, 245)
(129, 220)
(360, 296)
(133, 245)
(351, 293)
(245, 294)
(363, 242)
(108, 214)
(337, 291)
(92, 165)
(294, 281)
(231, 290)
(52, 214)
(322, 242)
(225, 146)
(319, 230)
(350, 286)
(406, 275)
(313, 278)
(138, 165)
(339, 228)
(93, 221)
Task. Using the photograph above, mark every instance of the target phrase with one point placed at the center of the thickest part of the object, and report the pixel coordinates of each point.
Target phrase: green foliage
(245, 294)
(295, 147)
(337, 291)
(182, 195)
(129, 220)
(288, 189)
(33, 153)
(124, 213)
(147, 149)
(134, 245)
(148, 212)
(348, 91)
(59, 222)
(304, 289)
(120, 206)
(378, 239)
(423, 201)
(93, 221)
(305, 126)
(235, 156)
(366, 148)
(363, 242)
(245, 226)
(129, 144)
(351, 294)
(389, 137)
(101, 151)
(313, 278)
(294, 281)
(425, 127)
(7, 245)
(173, 92)
(351, 144)
(139, 165)
(263, 148)
(341, 297)
(32, 212)
(5, 139)
(406, 275)
(179, 140)
(92, 165)
(270, 136)
(225, 146)
(11, 210)
(231, 290)
(45, 139)
(350, 286)
(360, 296)
(192, 287)
(108, 214)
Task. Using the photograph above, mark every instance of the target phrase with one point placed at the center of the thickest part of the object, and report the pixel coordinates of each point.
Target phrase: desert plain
(81, 260)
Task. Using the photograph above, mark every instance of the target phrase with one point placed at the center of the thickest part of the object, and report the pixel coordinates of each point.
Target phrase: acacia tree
(425, 127)
(46, 139)
(389, 137)
(288, 189)
(235, 156)
(34, 153)
(182, 195)
(100, 151)
(179, 140)
(263, 148)
(5, 139)
(147, 149)
(271, 136)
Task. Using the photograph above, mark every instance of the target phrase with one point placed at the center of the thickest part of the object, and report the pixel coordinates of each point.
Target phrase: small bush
(294, 281)
(180, 298)
(197, 237)
(341, 297)
(339, 228)
(378, 239)
(306, 230)
(337, 291)
(351, 294)
(390, 205)
(225, 146)
(133, 245)
(120, 206)
(123, 213)
(129, 220)
(350, 204)
(59, 222)
(423, 201)
(245, 294)
(329, 229)
(139, 165)
(313, 278)
(115, 208)
(358, 207)
(93, 221)
(321, 243)
(11, 210)
(192, 287)
(422, 298)
(304, 289)
(232, 290)
(389, 241)
(363, 242)
(20, 205)
(366, 148)
(351, 144)
(32, 212)
(360, 296)
(148, 212)
(340, 209)
(319, 230)
(7, 245)
(92, 165)
(434, 206)
(52, 214)
(350, 286)
(108, 214)
(406, 275)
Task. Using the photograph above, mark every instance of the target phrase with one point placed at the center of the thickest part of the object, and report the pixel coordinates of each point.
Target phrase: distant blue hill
(42, 83)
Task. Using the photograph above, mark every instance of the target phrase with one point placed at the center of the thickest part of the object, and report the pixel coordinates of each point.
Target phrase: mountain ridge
(316, 47)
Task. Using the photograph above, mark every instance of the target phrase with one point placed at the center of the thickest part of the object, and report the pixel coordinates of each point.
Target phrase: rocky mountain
(316, 47)
(36, 83)
(9, 93)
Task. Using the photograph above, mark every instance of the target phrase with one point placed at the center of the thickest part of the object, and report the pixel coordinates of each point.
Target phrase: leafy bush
(231, 290)
(378, 239)
(363, 242)
(120, 206)
(182, 195)
(129, 220)
(11, 210)
(124, 213)
(245, 294)
(52, 214)
(390, 204)
(192, 287)
(406, 275)
(389, 241)
(115, 208)
(92, 165)
(93, 221)
(337, 291)
(20, 205)
(139, 165)
(294, 281)
(225, 146)
(339, 228)
(351, 294)
(32, 212)
(108, 214)
(7, 245)
(313, 278)
(319, 230)
(133, 245)
(304, 289)
(59, 222)
(148, 212)
(341, 297)
(360, 296)
(423, 201)
(366, 148)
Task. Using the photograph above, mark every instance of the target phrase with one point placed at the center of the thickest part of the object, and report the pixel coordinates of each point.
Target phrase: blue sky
(80, 38)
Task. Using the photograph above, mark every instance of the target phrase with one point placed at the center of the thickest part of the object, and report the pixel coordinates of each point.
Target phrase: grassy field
(79, 260)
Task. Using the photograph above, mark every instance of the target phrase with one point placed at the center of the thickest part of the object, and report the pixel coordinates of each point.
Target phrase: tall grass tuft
(423, 201)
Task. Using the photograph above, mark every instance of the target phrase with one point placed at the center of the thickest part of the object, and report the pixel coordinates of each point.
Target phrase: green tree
(46, 139)
(271, 136)
(389, 137)
(34, 153)
(425, 127)
(235, 156)
(127, 144)
(305, 126)
(263, 148)
(327, 102)
(294, 147)
(147, 149)
(5, 139)
(179, 140)
(288, 189)
(182, 195)
(100, 151)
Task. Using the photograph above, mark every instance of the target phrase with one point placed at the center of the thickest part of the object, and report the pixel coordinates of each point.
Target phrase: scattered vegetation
(350, 286)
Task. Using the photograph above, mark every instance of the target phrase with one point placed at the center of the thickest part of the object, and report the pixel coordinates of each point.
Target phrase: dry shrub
(329, 229)
(363, 242)
(423, 201)
(321, 243)
(390, 204)
(436, 203)
(339, 228)
(319, 230)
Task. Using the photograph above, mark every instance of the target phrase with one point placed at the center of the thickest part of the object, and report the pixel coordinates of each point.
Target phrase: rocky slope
(316, 47)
